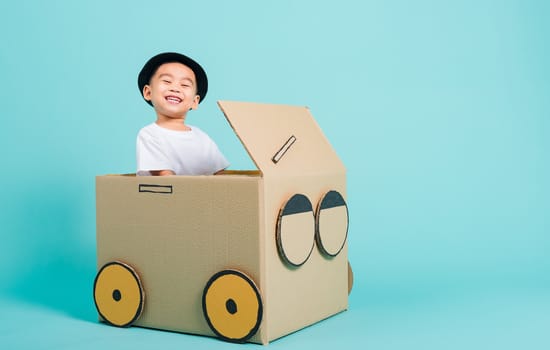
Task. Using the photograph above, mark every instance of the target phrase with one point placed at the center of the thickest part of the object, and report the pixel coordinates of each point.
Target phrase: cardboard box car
(247, 255)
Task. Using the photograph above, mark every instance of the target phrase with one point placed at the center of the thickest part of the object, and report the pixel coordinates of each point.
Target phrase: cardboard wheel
(350, 278)
(331, 223)
(232, 305)
(295, 232)
(118, 294)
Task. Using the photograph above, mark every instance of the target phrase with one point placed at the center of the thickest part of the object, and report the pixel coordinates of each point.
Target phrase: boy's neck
(177, 124)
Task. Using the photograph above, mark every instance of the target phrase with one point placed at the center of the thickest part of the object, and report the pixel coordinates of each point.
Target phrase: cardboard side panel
(281, 139)
(317, 289)
(177, 232)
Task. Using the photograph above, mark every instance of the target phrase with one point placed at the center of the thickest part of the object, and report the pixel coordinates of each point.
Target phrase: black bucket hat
(151, 66)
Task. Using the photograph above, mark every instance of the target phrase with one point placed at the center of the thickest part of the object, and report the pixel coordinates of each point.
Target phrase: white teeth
(173, 99)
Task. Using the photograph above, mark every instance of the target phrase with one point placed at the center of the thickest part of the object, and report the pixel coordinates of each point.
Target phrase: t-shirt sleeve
(150, 155)
(217, 159)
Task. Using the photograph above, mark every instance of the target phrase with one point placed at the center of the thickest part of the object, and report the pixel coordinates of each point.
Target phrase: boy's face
(172, 90)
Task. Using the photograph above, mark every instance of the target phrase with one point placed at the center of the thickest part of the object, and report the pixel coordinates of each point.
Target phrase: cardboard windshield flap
(246, 256)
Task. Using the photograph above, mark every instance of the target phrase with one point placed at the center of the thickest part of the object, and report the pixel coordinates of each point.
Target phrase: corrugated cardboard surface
(301, 296)
(265, 128)
(307, 164)
(177, 241)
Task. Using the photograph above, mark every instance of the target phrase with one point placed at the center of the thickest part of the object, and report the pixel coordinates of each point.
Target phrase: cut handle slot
(281, 152)
(165, 189)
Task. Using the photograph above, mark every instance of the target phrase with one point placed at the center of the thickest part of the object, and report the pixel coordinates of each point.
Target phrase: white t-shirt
(184, 152)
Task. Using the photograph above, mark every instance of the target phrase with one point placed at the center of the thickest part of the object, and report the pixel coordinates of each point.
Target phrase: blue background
(440, 111)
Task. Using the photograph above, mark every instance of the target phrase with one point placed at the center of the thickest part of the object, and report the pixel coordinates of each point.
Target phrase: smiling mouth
(173, 99)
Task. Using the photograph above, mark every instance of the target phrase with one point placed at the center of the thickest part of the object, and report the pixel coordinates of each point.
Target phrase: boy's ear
(196, 100)
(147, 92)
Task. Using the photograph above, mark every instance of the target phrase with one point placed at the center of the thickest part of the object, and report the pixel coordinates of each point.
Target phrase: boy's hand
(162, 172)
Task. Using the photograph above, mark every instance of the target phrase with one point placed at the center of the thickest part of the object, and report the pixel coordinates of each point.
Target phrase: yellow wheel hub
(118, 294)
(232, 305)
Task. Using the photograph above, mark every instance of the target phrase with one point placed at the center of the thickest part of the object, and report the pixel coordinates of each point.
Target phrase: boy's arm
(162, 172)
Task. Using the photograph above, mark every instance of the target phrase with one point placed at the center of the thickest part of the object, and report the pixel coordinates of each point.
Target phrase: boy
(174, 84)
